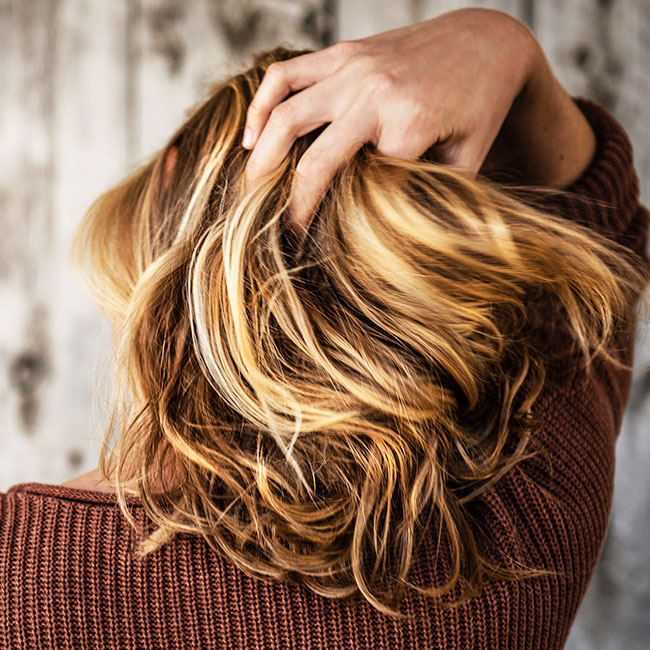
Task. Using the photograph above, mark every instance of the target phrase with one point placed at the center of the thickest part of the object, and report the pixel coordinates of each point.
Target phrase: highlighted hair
(308, 407)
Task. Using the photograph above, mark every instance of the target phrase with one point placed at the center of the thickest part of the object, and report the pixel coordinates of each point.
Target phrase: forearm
(545, 136)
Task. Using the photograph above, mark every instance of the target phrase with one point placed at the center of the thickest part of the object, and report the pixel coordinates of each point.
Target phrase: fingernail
(248, 137)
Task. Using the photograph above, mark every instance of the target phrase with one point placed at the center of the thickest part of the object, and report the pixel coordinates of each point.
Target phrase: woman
(368, 383)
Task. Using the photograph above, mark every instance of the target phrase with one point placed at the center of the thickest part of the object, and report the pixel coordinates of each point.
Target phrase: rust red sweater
(68, 578)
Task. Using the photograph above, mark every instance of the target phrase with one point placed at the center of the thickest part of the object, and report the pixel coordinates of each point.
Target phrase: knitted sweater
(68, 577)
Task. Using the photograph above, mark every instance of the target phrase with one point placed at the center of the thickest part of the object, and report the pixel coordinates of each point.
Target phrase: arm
(447, 84)
(545, 137)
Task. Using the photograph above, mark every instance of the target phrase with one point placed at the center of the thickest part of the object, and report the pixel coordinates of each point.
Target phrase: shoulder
(82, 490)
(92, 480)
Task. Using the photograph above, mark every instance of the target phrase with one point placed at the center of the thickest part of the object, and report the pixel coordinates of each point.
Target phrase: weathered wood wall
(89, 88)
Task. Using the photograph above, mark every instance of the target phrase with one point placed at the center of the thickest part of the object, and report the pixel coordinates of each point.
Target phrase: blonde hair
(307, 407)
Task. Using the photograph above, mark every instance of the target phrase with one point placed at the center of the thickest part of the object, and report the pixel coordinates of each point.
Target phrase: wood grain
(89, 89)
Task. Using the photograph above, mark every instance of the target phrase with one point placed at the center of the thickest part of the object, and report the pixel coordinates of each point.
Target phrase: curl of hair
(306, 407)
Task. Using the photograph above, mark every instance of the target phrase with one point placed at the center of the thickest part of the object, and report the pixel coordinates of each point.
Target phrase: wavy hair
(308, 406)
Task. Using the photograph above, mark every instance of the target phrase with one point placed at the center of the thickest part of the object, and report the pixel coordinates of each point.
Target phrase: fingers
(288, 121)
(170, 164)
(318, 165)
(468, 154)
(284, 77)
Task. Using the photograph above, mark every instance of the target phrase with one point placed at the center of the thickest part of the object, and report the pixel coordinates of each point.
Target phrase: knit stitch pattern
(69, 578)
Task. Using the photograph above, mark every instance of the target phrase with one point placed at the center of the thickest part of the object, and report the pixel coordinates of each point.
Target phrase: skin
(454, 82)
(473, 83)
(92, 481)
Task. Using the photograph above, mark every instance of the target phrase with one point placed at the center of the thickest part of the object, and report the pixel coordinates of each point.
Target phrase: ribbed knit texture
(68, 578)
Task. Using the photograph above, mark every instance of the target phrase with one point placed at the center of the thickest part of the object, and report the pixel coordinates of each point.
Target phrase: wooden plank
(89, 89)
(26, 184)
(62, 109)
(90, 153)
(183, 47)
(431, 8)
(367, 17)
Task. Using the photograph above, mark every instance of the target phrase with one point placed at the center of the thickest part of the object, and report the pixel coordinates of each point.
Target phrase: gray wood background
(89, 87)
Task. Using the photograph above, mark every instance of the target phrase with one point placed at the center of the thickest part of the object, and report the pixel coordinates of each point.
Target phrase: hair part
(309, 408)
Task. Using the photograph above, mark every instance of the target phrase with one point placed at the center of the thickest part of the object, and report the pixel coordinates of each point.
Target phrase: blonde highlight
(308, 407)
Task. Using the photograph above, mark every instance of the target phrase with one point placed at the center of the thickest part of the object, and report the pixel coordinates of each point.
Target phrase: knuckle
(309, 168)
(392, 148)
(347, 49)
(380, 82)
(276, 70)
(283, 114)
(415, 111)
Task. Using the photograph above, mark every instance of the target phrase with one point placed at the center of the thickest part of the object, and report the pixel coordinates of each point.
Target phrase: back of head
(307, 406)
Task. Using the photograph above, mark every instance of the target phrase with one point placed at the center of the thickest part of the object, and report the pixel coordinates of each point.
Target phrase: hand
(449, 81)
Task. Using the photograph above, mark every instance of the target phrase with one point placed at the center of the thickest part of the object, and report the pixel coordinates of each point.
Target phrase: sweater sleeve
(558, 500)
(582, 413)
(611, 185)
